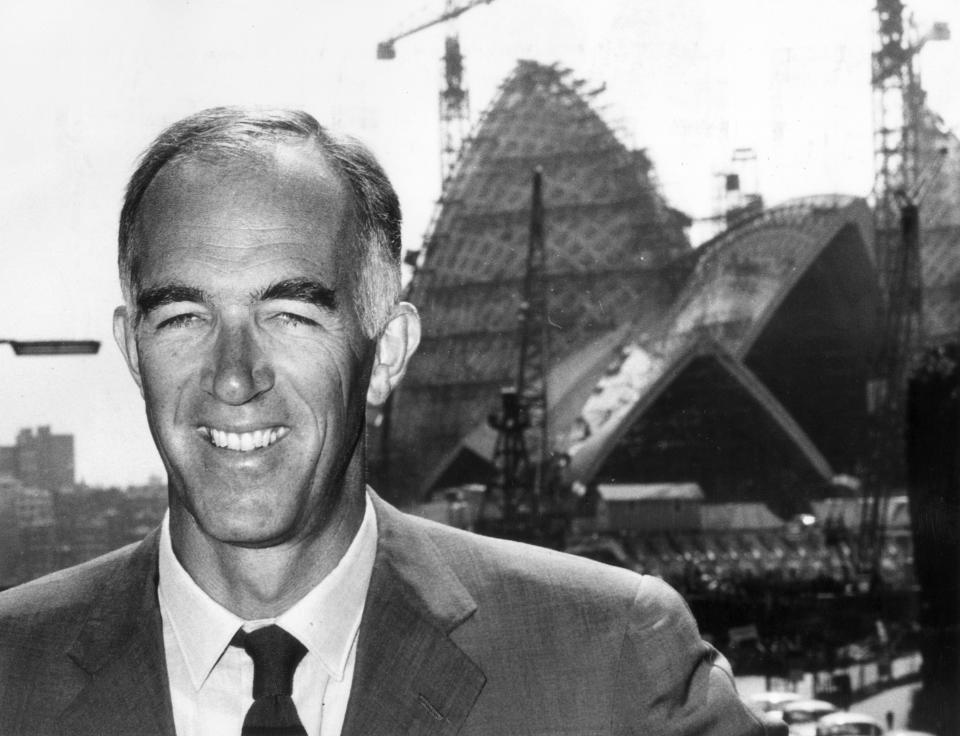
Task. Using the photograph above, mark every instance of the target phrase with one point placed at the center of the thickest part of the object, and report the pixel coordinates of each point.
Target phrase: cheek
(328, 382)
(165, 376)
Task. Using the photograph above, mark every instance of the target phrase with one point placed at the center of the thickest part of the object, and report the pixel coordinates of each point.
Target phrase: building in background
(28, 532)
(40, 459)
(9, 530)
(741, 366)
(940, 232)
(42, 531)
(37, 524)
(616, 254)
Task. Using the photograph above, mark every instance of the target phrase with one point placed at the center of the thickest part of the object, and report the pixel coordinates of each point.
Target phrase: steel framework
(454, 98)
(899, 108)
(517, 487)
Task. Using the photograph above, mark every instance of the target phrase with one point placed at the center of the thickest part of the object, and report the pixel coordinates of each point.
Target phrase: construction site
(774, 409)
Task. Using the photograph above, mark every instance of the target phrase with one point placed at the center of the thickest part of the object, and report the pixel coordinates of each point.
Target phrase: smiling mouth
(244, 441)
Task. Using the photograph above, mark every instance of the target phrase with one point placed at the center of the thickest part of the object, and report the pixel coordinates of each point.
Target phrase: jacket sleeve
(669, 681)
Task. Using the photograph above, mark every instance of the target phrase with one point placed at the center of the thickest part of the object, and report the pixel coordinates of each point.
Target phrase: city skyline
(689, 81)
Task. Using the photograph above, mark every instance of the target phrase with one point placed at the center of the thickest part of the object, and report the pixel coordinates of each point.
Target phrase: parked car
(770, 700)
(801, 716)
(848, 724)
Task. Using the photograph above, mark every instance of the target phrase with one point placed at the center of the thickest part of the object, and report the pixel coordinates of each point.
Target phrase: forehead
(283, 209)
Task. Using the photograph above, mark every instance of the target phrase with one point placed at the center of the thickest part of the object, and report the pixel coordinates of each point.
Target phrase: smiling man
(259, 259)
(254, 362)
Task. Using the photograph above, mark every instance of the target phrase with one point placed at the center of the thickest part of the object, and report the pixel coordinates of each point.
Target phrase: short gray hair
(224, 133)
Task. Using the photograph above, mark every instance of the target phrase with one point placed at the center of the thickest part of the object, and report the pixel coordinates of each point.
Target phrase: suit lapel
(121, 649)
(410, 678)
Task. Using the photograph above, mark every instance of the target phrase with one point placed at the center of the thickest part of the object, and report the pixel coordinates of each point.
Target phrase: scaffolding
(611, 236)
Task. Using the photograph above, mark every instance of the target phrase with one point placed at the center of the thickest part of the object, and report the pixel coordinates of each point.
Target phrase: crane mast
(517, 502)
(898, 112)
(454, 106)
(535, 331)
(454, 123)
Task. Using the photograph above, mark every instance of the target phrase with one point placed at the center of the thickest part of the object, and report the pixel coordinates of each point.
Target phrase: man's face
(248, 352)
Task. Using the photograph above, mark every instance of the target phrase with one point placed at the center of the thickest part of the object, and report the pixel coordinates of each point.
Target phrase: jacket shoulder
(531, 598)
(60, 597)
(55, 632)
(477, 559)
(620, 649)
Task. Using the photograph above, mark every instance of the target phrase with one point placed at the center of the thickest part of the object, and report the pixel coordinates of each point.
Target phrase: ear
(397, 342)
(126, 336)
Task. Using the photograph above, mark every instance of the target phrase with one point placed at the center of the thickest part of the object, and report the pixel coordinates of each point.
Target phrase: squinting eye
(180, 320)
(294, 320)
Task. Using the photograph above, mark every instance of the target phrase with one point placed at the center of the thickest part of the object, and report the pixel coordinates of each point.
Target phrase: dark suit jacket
(461, 634)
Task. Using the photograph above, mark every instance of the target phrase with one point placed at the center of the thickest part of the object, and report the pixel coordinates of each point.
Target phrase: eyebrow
(301, 290)
(157, 296)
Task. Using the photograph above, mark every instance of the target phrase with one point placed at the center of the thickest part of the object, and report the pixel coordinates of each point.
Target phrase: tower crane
(454, 114)
(525, 499)
(454, 99)
(898, 189)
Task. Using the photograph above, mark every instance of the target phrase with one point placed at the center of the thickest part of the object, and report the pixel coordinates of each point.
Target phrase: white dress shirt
(211, 682)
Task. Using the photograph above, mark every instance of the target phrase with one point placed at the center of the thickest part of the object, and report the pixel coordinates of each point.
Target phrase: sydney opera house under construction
(741, 365)
(695, 406)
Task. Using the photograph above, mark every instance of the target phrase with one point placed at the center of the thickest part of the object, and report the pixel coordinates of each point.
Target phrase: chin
(245, 530)
(251, 516)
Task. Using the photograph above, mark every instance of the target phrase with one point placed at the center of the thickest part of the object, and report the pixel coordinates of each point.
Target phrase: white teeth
(245, 441)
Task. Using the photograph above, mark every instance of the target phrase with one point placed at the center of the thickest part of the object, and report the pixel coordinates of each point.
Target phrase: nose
(239, 370)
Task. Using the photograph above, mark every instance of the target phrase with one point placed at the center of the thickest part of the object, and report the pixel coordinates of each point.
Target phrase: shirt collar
(326, 620)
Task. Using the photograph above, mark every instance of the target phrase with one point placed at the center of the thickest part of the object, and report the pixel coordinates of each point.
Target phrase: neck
(263, 582)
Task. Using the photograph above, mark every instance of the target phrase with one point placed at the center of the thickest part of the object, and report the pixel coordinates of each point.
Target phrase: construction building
(617, 254)
(741, 366)
(749, 383)
(752, 384)
(940, 232)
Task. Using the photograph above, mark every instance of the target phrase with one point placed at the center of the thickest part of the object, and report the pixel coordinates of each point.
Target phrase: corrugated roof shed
(738, 516)
(650, 492)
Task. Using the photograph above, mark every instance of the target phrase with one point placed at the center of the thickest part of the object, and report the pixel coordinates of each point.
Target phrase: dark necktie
(275, 655)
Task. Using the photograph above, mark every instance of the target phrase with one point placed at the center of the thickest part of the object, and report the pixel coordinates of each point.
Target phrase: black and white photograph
(480, 367)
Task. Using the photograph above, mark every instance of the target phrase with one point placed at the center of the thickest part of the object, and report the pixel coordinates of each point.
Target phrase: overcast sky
(87, 85)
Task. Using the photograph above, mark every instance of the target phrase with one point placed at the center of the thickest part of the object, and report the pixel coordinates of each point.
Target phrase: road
(896, 700)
